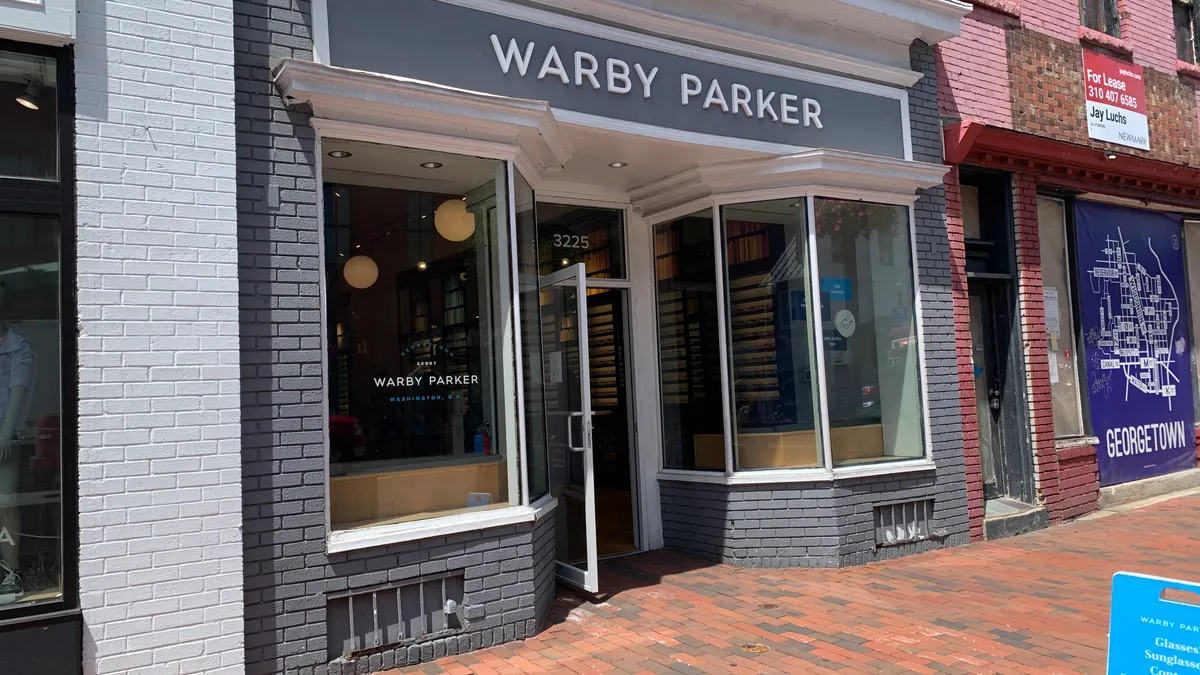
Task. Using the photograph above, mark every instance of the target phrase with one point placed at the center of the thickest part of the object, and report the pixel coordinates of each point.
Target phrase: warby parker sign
(1116, 101)
(449, 43)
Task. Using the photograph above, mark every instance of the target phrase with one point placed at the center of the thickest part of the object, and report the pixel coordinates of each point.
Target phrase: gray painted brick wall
(159, 434)
(288, 574)
(831, 523)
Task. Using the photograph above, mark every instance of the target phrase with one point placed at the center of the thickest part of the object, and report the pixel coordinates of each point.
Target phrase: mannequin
(17, 363)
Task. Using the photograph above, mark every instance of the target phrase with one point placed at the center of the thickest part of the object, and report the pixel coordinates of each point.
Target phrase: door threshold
(1002, 507)
(1007, 517)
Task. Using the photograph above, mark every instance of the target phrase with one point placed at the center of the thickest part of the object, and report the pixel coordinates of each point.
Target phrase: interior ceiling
(647, 159)
(397, 167)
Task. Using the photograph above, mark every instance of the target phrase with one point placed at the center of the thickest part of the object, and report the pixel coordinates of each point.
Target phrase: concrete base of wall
(1115, 495)
(999, 527)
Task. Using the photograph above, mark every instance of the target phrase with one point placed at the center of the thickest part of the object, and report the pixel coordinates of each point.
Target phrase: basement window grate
(903, 522)
(364, 623)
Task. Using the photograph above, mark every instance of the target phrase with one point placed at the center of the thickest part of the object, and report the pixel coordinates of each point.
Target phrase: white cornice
(810, 170)
(417, 110)
(697, 32)
(901, 20)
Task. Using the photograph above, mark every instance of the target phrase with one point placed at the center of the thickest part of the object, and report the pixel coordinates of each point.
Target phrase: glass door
(568, 400)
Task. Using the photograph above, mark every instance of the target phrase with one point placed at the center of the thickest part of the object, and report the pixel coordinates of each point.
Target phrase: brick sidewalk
(1032, 604)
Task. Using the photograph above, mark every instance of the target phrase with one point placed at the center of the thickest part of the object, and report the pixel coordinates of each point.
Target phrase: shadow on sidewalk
(622, 574)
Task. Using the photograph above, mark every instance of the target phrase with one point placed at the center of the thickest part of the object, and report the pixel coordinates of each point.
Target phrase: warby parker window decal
(428, 381)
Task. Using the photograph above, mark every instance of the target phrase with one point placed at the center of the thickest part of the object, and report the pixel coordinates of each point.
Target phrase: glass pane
(872, 374)
(612, 457)
(689, 360)
(28, 116)
(531, 338)
(421, 372)
(774, 365)
(1060, 320)
(1184, 40)
(561, 338)
(1191, 239)
(30, 409)
(579, 234)
(984, 383)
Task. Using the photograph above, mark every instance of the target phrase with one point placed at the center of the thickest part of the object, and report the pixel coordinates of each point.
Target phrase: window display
(689, 359)
(869, 326)
(773, 363)
(419, 302)
(28, 116)
(30, 406)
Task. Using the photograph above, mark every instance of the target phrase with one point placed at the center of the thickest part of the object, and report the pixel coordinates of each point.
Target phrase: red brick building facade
(1012, 99)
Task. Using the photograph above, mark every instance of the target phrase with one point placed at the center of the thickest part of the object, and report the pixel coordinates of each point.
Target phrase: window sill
(1096, 38)
(385, 535)
(1188, 69)
(999, 6)
(1076, 442)
(775, 476)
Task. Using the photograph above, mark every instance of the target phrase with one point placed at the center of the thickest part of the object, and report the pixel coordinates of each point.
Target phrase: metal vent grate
(904, 522)
(371, 621)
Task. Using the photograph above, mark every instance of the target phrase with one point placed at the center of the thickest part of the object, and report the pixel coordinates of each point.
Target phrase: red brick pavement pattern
(1035, 604)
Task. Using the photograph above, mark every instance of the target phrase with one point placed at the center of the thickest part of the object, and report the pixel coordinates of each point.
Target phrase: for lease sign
(1116, 101)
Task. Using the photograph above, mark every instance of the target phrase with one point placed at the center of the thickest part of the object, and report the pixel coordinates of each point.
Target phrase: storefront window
(28, 116)
(1191, 239)
(421, 370)
(532, 354)
(770, 324)
(31, 551)
(689, 356)
(1060, 320)
(869, 330)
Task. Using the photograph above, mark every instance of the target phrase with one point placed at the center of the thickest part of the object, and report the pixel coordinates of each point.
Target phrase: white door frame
(641, 354)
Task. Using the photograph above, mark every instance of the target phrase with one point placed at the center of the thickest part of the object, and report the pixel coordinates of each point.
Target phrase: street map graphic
(1139, 319)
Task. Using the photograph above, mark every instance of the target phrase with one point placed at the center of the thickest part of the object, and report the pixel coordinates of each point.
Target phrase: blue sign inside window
(838, 288)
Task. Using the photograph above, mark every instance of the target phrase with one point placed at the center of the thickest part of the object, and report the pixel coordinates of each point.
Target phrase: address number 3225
(570, 241)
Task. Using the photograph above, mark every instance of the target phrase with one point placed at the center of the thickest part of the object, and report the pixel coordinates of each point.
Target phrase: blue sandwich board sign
(1155, 626)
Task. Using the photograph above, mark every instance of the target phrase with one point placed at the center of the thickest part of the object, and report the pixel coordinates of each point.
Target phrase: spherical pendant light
(453, 221)
(360, 271)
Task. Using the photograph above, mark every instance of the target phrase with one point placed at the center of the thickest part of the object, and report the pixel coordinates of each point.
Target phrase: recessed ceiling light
(1110, 155)
(339, 154)
(618, 165)
(431, 165)
(565, 262)
(422, 266)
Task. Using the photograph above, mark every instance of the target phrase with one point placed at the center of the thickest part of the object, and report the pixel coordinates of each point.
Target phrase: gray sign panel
(471, 49)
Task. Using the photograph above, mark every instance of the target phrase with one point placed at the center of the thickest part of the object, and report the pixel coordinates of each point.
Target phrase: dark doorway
(997, 358)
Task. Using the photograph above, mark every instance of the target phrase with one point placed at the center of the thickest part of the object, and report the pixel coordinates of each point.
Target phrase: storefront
(580, 291)
(1070, 220)
(39, 616)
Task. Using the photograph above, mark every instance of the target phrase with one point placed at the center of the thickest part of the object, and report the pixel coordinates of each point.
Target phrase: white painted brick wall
(160, 434)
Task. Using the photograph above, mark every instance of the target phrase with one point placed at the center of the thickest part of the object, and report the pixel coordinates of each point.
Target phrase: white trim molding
(808, 171)
(418, 113)
(809, 475)
(383, 535)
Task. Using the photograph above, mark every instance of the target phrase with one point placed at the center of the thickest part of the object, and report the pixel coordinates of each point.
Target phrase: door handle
(571, 431)
(585, 425)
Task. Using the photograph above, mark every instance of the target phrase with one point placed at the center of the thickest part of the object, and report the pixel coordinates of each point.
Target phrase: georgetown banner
(1133, 307)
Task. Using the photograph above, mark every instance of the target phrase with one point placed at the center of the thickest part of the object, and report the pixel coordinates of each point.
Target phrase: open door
(569, 423)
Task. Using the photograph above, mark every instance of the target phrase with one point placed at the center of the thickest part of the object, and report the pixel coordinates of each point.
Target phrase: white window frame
(827, 472)
(340, 541)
